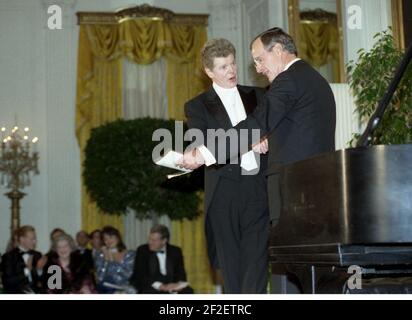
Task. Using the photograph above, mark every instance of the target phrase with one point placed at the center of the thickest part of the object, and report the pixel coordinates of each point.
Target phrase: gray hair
(64, 237)
(216, 48)
(273, 36)
(162, 230)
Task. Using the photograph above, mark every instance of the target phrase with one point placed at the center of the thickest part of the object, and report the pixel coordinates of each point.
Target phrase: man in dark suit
(299, 111)
(159, 266)
(237, 218)
(85, 254)
(21, 267)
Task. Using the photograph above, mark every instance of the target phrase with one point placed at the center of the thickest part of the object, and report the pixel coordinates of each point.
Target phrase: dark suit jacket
(12, 266)
(146, 268)
(207, 111)
(298, 114)
(86, 257)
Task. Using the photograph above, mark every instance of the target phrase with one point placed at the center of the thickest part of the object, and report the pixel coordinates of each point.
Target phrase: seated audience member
(56, 232)
(21, 266)
(82, 239)
(159, 266)
(114, 264)
(76, 277)
(96, 242)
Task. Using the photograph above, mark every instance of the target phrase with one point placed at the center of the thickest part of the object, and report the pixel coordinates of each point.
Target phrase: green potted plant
(119, 172)
(369, 78)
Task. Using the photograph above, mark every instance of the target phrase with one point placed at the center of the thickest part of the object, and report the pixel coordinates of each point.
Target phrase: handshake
(194, 159)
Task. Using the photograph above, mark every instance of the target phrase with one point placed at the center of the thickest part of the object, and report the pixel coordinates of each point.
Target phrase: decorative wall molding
(144, 11)
(397, 23)
(318, 15)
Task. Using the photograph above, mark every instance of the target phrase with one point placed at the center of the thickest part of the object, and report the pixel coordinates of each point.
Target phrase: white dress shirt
(161, 256)
(26, 256)
(290, 63)
(235, 109)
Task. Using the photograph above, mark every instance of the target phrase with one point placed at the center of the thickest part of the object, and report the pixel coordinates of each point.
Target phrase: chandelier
(18, 160)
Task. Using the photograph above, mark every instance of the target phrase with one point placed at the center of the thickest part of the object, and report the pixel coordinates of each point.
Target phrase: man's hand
(164, 287)
(41, 263)
(191, 160)
(119, 256)
(171, 287)
(262, 147)
(107, 253)
(174, 287)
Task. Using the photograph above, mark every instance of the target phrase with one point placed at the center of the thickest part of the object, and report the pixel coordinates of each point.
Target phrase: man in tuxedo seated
(96, 242)
(21, 267)
(86, 257)
(159, 266)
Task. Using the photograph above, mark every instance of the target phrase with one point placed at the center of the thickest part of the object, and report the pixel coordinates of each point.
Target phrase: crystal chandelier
(18, 160)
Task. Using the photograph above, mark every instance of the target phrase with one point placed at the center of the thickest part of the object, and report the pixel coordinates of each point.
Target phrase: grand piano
(346, 216)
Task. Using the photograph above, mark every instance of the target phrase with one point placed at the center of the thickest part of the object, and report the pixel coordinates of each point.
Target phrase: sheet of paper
(171, 176)
(169, 161)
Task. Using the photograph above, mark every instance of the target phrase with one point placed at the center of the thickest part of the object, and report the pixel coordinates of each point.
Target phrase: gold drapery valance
(143, 34)
(143, 12)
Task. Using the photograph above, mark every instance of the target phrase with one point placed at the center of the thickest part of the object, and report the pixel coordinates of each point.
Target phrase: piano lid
(354, 196)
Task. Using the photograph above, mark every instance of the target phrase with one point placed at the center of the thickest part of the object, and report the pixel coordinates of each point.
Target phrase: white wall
(375, 17)
(37, 84)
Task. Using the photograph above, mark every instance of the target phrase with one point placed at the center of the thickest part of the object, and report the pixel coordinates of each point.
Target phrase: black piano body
(346, 209)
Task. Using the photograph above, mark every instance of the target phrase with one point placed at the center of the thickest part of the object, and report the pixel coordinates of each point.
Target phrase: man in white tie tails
(237, 218)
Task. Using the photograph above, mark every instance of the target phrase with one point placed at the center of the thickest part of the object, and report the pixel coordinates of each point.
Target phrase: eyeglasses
(258, 60)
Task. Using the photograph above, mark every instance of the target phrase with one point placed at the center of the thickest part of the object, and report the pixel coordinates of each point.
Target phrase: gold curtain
(319, 45)
(185, 77)
(99, 93)
(98, 100)
(142, 41)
